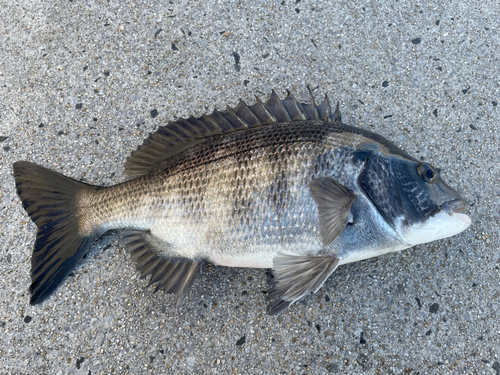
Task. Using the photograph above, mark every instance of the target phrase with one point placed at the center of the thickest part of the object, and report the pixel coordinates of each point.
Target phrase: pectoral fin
(334, 203)
(173, 274)
(296, 276)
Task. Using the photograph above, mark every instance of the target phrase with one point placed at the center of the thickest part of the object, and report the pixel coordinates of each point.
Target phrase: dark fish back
(177, 136)
(276, 137)
(273, 123)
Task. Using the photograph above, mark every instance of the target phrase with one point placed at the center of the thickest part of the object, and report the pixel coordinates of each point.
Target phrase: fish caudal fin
(49, 198)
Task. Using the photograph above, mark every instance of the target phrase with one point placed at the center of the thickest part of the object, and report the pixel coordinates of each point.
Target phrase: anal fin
(173, 274)
(296, 276)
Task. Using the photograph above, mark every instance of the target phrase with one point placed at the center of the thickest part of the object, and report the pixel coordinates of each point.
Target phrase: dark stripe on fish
(219, 147)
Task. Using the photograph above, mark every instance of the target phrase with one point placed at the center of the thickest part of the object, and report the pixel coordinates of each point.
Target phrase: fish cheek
(415, 193)
(378, 182)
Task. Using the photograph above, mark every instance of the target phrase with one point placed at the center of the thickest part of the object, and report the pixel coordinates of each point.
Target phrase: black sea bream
(278, 185)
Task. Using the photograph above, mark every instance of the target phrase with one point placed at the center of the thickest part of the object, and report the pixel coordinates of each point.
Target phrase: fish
(281, 185)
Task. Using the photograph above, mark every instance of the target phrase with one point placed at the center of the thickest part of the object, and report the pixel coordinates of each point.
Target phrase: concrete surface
(83, 82)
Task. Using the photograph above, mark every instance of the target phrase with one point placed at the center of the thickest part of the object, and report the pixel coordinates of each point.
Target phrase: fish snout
(454, 206)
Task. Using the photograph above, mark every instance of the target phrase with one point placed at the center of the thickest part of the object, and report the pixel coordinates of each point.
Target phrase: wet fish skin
(301, 196)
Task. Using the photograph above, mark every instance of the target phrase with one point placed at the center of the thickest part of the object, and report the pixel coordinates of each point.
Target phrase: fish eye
(427, 172)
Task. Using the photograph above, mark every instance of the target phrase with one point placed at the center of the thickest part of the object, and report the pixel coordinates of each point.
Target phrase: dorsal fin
(177, 136)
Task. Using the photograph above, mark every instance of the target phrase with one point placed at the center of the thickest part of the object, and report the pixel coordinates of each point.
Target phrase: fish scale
(282, 185)
(260, 156)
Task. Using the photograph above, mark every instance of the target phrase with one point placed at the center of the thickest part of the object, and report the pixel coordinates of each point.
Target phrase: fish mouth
(454, 206)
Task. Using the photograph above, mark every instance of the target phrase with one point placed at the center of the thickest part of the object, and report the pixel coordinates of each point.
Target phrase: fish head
(412, 198)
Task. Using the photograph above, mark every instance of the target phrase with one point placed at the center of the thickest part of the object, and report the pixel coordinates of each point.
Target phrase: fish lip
(454, 206)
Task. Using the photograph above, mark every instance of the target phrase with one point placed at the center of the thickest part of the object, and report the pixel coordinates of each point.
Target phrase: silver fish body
(248, 204)
(300, 196)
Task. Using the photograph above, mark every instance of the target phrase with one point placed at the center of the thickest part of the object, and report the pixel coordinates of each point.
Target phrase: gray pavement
(83, 82)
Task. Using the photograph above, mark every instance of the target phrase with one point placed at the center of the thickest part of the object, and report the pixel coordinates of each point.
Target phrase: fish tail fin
(50, 200)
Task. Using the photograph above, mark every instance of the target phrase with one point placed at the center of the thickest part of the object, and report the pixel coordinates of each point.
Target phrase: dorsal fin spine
(276, 106)
(324, 110)
(313, 102)
(263, 113)
(293, 107)
(337, 116)
(246, 114)
(310, 109)
(221, 121)
(171, 135)
(211, 121)
(182, 132)
(328, 109)
(236, 121)
(163, 141)
(199, 124)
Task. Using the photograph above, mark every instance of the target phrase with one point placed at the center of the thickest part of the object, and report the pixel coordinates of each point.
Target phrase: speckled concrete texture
(82, 82)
